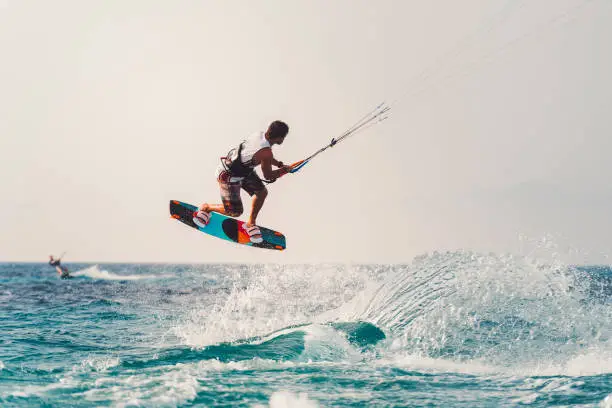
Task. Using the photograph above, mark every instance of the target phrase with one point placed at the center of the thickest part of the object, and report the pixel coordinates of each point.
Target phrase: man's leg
(232, 203)
(219, 208)
(256, 189)
(256, 205)
(253, 185)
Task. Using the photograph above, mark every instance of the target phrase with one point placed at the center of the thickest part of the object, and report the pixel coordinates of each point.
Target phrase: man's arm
(266, 159)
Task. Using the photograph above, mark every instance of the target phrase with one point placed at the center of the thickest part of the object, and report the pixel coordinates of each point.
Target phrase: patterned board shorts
(230, 191)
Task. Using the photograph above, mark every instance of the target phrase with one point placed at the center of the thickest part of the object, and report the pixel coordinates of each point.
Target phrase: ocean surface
(455, 329)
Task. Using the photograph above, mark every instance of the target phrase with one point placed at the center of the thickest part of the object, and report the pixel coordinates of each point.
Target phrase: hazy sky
(500, 125)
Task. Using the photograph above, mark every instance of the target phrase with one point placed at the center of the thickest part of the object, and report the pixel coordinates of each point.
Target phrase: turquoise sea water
(448, 329)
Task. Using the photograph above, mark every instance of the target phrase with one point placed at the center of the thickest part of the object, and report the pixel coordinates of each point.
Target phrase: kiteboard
(227, 228)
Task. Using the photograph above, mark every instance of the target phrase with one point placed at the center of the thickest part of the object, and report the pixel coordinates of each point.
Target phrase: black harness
(236, 167)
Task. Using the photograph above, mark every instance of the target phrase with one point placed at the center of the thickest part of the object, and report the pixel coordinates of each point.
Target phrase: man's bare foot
(254, 233)
(201, 218)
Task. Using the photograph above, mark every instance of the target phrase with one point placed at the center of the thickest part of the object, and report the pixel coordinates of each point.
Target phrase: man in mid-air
(61, 270)
(237, 171)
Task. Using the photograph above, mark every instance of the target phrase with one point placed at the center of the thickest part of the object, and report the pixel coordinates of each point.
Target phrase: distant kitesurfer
(61, 270)
(237, 170)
